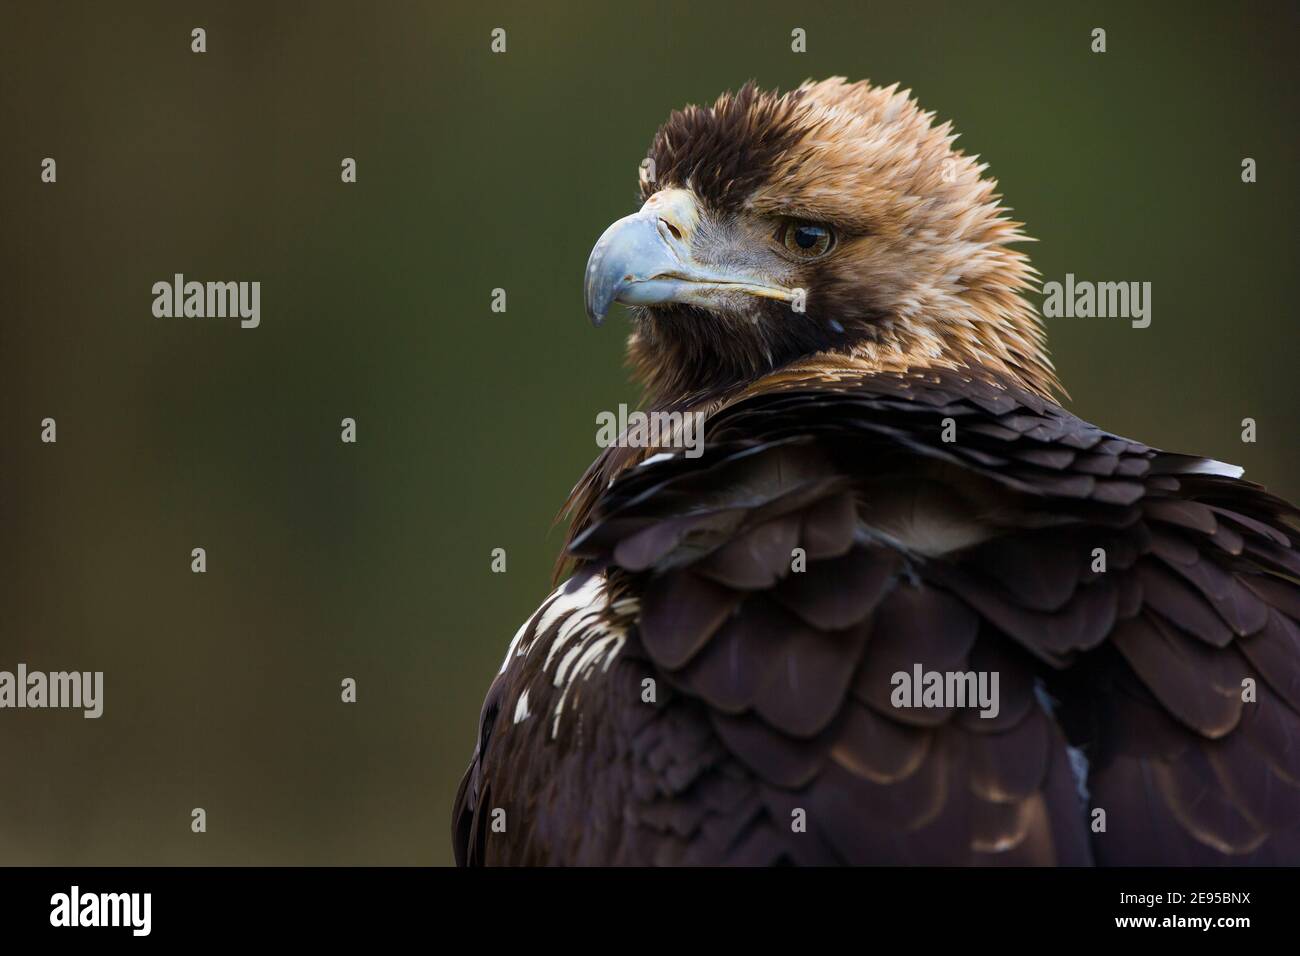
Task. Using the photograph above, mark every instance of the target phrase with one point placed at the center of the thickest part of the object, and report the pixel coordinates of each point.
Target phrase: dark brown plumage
(1121, 689)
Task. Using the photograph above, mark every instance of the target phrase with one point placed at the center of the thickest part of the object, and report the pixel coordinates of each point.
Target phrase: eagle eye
(805, 240)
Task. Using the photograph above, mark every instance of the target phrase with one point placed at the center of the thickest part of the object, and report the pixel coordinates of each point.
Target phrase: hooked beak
(646, 259)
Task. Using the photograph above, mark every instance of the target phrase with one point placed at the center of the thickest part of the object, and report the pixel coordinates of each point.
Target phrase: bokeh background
(479, 171)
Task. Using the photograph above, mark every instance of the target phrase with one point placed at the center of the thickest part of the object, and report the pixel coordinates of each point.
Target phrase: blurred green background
(479, 171)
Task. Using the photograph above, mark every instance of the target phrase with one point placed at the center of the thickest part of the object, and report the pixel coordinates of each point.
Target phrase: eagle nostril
(677, 233)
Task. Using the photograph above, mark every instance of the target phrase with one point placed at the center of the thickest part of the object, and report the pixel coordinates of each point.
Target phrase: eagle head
(828, 226)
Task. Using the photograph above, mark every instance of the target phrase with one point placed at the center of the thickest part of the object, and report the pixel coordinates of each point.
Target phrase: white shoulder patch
(564, 599)
(590, 635)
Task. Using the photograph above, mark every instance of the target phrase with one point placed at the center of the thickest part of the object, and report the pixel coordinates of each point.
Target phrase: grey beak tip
(629, 252)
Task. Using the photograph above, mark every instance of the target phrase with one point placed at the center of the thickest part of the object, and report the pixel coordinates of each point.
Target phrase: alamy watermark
(1082, 299)
(75, 908)
(922, 688)
(73, 690)
(624, 429)
(208, 300)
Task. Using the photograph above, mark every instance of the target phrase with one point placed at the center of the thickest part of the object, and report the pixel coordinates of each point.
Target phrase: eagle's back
(717, 681)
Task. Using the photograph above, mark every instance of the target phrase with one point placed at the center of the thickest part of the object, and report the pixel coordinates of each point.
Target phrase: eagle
(900, 606)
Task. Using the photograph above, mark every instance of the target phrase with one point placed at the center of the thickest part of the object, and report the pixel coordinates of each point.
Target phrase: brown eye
(806, 240)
